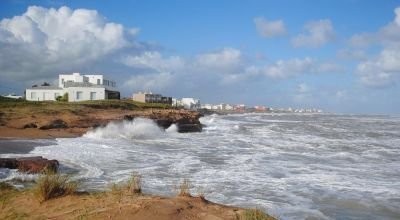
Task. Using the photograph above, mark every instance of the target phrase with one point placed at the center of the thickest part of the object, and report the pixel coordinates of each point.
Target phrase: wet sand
(20, 146)
(33, 133)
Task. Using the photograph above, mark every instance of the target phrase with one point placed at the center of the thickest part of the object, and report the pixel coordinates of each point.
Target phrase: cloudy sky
(340, 56)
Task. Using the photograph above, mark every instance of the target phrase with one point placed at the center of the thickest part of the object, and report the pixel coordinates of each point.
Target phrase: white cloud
(303, 94)
(318, 33)
(43, 41)
(352, 54)
(362, 40)
(270, 28)
(225, 59)
(303, 88)
(287, 68)
(154, 60)
(383, 69)
(150, 82)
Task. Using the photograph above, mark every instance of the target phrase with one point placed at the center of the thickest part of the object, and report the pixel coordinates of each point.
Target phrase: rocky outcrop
(58, 123)
(76, 120)
(29, 164)
(186, 121)
(30, 125)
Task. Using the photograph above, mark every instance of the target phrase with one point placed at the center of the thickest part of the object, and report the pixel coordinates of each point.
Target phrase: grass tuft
(255, 214)
(135, 184)
(184, 188)
(6, 186)
(51, 185)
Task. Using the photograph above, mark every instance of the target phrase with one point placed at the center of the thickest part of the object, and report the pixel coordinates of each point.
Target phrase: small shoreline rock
(30, 164)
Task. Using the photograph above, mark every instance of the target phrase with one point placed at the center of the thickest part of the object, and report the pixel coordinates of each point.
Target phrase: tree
(63, 98)
(46, 84)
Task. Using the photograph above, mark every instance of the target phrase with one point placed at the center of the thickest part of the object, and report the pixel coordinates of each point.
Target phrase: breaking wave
(139, 128)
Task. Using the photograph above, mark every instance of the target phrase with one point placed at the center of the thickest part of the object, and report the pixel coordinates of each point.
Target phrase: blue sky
(339, 56)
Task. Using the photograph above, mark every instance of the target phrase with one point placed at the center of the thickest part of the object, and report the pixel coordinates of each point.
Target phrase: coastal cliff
(50, 119)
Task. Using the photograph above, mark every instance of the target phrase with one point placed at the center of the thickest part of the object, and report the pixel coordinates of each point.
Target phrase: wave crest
(139, 128)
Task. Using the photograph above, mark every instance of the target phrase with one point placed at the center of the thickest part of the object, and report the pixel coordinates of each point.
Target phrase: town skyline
(337, 56)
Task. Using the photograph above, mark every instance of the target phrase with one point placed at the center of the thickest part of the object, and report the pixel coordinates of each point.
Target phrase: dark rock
(29, 164)
(164, 123)
(30, 125)
(184, 128)
(129, 117)
(58, 123)
(10, 163)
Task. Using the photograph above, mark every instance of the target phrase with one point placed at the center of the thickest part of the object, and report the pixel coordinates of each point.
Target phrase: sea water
(294, 166)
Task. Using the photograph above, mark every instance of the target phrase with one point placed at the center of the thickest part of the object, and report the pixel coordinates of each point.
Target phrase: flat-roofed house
(78, 87)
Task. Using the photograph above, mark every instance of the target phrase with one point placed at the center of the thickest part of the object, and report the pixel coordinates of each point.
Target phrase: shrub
(255, 214)
(184, 188)
(51, 185)
(63, 98)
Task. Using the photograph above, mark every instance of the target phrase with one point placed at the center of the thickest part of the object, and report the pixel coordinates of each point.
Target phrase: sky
(339, 56)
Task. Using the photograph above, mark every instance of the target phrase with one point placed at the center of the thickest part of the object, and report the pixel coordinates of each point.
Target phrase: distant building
(260, 108)
(207, 106)
(78, 87)
(151, 98)
(191, 103)
(240, 108)
(177, 103)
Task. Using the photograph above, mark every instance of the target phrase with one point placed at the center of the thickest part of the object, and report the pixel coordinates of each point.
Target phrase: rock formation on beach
(29, 164)
(46, 120)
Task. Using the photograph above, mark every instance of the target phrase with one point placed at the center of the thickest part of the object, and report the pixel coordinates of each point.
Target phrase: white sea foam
(139, 128)
(172, 129)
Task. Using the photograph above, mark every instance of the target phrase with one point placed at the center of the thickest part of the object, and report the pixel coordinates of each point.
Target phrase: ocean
(294, 166)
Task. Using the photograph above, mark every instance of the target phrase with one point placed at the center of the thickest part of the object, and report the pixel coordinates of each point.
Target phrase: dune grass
(184, 188)
(255, 214)
(133, 186)
(51, 185)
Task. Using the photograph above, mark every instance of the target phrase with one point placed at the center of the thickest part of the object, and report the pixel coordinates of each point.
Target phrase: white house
(78, 87)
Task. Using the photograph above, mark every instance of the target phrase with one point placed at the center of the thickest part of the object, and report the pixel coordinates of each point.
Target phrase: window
(98, 81)
(92, 95)
(33, 95)
(79, 95)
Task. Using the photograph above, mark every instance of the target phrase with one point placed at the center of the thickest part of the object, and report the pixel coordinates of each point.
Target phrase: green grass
(255, 214)
(51, 185)
(97, 104)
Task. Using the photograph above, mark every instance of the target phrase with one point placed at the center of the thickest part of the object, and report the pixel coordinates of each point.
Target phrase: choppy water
(295, 166)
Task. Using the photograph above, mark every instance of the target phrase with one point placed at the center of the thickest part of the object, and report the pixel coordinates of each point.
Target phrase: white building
(177, 103)
(78, 87)
(207, 106)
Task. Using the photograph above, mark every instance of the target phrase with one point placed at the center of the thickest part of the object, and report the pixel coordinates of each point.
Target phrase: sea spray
(172, 129)
(139, 128)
